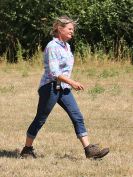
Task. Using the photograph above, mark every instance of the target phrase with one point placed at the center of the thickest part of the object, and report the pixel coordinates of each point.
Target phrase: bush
(103, 25)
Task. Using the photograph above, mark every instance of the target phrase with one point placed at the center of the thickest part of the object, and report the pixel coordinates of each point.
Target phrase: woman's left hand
(77, 85)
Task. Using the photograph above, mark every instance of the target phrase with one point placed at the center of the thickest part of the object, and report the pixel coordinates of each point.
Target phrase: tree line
(103, 25)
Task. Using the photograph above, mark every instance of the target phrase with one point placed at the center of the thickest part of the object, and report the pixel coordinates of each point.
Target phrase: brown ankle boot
(93, 151)
(28, 152)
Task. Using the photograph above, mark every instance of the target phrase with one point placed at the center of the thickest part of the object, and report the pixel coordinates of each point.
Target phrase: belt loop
(58, 85)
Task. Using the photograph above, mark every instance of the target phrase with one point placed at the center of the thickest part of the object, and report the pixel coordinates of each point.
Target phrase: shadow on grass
(67, 156)
(9, 154)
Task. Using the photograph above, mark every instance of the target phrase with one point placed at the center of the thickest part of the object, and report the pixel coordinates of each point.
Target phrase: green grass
(109, 73)
(107, 106)
(97, 89)
(6, 89)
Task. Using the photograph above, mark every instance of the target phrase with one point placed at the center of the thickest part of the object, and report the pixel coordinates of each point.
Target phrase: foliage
(102, 25)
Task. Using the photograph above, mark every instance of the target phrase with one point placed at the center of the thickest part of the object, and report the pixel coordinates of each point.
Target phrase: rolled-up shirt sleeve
(52, 56)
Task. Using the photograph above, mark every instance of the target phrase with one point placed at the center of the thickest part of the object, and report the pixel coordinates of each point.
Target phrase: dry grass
(107, 105)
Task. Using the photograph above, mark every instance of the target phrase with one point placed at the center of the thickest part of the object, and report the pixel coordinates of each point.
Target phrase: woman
(55, 87)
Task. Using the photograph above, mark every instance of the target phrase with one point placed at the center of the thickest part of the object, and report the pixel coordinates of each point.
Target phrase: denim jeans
(48, 97)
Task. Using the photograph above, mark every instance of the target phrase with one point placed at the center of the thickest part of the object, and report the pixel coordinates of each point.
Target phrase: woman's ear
(59, 29)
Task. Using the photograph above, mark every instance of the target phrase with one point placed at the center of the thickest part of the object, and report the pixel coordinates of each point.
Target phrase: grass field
(107, 106)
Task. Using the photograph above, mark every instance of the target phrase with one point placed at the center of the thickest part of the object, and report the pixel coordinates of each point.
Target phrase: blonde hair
(61, 21)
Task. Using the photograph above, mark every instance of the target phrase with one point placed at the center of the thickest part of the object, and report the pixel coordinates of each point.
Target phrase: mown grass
(107, 106)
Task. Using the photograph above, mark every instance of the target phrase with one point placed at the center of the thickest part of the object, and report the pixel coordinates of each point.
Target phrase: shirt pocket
(63, 61)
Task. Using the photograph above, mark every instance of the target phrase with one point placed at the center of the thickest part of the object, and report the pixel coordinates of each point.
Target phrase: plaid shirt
(57, 61)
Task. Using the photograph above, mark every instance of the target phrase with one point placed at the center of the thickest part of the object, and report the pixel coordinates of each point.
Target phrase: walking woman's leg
(68, 103)
(47, 99)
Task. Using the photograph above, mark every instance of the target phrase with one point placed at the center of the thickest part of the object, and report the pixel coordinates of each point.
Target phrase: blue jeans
(48, 97)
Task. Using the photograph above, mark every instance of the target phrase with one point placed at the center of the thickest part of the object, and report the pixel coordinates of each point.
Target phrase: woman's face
(66, 33)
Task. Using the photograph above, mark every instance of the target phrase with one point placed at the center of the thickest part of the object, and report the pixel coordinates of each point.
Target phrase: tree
(102, 25)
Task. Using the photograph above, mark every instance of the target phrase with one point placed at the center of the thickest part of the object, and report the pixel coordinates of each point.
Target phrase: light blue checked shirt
(57, 61)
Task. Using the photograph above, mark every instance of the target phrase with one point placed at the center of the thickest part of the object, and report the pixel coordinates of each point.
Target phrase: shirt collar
(63, 44)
